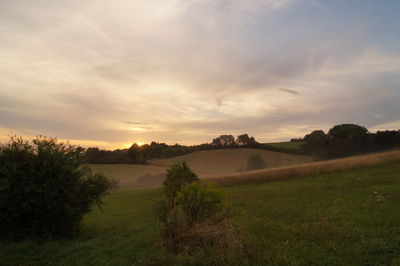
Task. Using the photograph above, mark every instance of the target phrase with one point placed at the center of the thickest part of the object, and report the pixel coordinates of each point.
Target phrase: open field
(343, 218)
(310, 169)
(224, 161)
(204, 163)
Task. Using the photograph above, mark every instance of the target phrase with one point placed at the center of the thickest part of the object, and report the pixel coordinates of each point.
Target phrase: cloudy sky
(109, 73)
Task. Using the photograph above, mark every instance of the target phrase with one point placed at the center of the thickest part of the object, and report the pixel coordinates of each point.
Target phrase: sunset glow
(186, 71)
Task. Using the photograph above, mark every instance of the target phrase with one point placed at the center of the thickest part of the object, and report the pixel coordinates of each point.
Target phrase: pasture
(348, 217)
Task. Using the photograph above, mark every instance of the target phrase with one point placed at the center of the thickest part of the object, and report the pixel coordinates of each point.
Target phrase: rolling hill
(225, 161)
(204, 163)
(343, 218)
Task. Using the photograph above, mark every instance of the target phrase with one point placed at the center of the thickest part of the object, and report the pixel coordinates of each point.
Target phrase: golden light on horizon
(128, 145)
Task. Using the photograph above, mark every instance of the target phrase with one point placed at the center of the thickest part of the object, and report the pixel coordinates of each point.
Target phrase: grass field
(204, 163)
(287, 145)
(344, 218)
(225, 161)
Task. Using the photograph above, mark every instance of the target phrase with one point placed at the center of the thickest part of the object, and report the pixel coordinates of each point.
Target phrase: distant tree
(317, 144)
(255, 162)
(387, 139)
(224, 140)
(245, 140)
(348, 139)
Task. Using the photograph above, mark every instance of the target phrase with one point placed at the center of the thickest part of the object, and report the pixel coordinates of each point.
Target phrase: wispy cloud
(184, 71)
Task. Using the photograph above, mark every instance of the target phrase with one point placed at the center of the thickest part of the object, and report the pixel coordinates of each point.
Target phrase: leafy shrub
(255, 162)
(44, 191)
(201, 202)
(177, 176)
(193, 214)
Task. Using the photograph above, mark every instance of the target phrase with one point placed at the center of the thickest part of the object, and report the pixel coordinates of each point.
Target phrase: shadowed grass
(343, 218)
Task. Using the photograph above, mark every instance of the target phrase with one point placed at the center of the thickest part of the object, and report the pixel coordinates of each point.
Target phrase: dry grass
(219, 235)
(309, 169)
(227, 161)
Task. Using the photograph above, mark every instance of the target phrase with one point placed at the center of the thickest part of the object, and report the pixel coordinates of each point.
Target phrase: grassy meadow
(349, 217)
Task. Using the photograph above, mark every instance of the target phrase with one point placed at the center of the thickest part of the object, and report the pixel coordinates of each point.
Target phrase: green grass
(287, 145)
(344, 218)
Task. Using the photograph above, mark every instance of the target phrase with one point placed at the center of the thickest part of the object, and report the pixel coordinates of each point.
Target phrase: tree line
(140, 154)
(341, 140)
(347, 140)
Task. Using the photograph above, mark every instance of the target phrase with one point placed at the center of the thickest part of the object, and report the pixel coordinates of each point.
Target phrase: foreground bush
(44, 191)
(200, 202)
(195, 217)
(178, 175)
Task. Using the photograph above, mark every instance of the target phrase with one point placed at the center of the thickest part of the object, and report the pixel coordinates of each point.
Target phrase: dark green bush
(194, 215)
(44, 191)
(200, 202)
(177, 176)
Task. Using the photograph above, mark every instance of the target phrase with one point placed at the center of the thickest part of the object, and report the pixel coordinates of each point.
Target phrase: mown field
(345, 218)
(204, 163)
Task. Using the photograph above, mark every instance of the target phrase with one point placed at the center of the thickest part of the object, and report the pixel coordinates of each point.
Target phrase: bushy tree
(178, 175)
(317, 143)
(224, 140)
(44, 191)
(193, 214)
(348, 139)
(201, 202)
(245, 140)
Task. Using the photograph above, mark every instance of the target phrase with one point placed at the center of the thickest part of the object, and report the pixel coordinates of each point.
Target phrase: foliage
(348, 139)
(43, 190)
(245, 140)
(201, 202)
(193, 214)
(224, 140)
(178, 175)
(255, 162)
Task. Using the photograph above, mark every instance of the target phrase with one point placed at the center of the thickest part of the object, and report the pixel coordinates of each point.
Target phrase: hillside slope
(225, 161)
(343, 218)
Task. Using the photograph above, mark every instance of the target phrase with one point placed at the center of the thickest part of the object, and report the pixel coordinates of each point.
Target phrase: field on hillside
(225, 161)
(204, 163)
(343, 218)
(308, 169)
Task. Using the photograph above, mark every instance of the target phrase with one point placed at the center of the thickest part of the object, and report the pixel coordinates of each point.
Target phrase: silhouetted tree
(348, 139)
(317, 144)
(224, 140)
(245, 140)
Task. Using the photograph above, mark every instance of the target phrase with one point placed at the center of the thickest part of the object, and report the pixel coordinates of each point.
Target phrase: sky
(109, 73)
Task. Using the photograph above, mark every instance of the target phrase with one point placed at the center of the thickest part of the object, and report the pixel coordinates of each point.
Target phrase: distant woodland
(340, 141)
